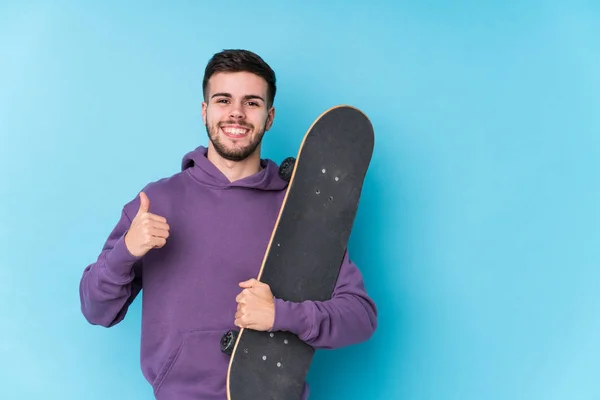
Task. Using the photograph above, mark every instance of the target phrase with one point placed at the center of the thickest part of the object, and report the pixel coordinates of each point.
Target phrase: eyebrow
(246, 97)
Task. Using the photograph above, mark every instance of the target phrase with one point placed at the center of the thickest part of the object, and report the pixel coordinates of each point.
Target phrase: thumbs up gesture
(147, 230)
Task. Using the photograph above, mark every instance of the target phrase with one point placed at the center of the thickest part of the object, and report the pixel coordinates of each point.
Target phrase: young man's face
(236, 114)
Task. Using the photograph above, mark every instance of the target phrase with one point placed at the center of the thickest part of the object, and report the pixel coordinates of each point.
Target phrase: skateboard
(304, 255)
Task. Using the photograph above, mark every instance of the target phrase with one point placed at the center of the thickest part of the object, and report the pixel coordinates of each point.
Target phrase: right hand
(147, 231)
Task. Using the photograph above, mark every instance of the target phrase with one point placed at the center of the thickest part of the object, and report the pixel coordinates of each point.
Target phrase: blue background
(478, 229)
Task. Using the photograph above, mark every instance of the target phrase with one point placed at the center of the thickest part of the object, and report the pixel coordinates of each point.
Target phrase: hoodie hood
(205, 172)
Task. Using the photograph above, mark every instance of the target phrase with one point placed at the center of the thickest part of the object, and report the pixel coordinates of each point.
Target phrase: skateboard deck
(304, 255)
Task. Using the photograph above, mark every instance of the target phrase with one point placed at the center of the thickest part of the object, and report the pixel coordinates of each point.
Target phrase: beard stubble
(237, 154)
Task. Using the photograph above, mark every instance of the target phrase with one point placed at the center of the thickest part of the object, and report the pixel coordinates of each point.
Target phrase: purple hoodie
(219, 231)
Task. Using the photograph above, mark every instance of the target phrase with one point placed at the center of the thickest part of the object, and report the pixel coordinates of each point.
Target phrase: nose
(236, 112)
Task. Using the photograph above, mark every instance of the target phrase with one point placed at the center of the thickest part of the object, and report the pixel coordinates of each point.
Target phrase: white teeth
(234, 131)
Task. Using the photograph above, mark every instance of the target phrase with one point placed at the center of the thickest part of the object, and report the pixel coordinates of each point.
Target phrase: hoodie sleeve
(110, 284)
(348, 318)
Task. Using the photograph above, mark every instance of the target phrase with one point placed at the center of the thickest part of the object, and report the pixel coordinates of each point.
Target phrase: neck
(235, 170)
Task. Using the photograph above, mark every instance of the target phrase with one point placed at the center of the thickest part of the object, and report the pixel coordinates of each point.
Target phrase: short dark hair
(241, 61)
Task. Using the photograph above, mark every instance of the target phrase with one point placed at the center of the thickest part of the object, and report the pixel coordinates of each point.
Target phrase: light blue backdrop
(478, 230)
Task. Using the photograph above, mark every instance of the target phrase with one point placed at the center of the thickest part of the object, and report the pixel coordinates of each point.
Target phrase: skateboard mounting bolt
(272, 334)
(285, 341)
(323, 170)
(264, 358)
(330, 198)
(279, 364)
(337, 179)
(318, 191)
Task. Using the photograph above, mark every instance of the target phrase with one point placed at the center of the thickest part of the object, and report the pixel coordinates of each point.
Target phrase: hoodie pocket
(196, 367)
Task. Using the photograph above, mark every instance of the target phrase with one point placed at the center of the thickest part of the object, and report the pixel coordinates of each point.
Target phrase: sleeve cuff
(119, 261)
(291, 317)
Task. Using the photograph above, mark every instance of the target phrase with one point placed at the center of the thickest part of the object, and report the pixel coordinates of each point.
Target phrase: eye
(253, 104)
(222, 101)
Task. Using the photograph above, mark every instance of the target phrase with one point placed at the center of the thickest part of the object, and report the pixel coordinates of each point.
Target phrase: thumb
(249, 283)
(144, 203)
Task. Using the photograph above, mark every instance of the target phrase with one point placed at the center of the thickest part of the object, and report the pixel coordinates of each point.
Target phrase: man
(196, 240)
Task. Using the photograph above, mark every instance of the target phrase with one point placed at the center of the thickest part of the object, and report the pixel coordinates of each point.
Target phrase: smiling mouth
(234, 132)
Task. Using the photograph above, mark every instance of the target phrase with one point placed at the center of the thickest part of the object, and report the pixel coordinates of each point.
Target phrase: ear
(204, 107)
(270, 118)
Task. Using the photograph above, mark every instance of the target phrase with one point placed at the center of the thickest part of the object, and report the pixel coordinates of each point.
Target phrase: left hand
(256, 306)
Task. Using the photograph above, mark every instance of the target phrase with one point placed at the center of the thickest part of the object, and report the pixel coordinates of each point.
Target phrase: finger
(244, 294)
(161, 233)
(242, 298)
(154, 218)
(158, 242)
(151, 224)
(244, 284)
(155, 221)
(149, 231)
(157, 218)
(144, 203)
(250, 283)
